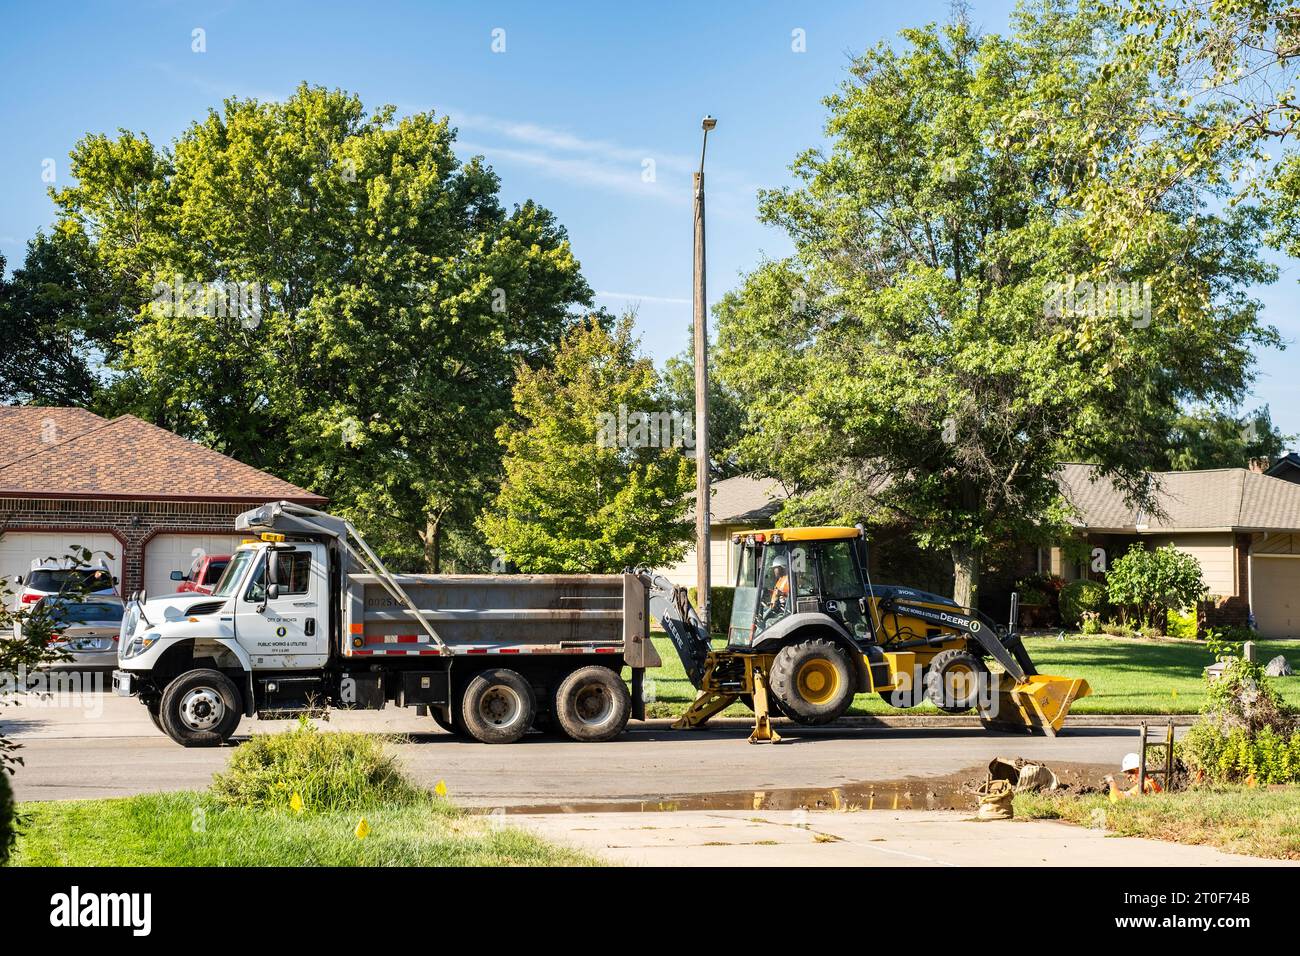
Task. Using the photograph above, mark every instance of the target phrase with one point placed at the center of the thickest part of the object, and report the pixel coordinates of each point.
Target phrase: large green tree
(60, 314)
(954, 321)
(332, 295)
(591, 483)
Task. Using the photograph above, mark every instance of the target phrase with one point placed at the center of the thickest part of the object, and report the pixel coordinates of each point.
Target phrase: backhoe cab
(809, 630)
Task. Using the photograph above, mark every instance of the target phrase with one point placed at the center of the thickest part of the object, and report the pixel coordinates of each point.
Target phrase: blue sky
(582, 97)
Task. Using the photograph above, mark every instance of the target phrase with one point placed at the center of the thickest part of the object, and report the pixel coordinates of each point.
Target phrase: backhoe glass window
(841, 571)
(744, 604)
(777, 585)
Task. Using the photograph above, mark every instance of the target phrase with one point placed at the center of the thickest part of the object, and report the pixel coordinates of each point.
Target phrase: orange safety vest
(781, 589)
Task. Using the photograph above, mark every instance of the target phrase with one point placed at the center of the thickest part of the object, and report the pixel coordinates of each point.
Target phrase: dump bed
(498, 614)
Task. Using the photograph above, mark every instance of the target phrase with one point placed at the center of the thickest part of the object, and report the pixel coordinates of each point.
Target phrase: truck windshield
(234, 572)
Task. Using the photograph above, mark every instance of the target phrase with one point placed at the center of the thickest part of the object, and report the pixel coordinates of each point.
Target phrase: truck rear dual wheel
(498, 706)
(201, 708)
(592, 704)
(813, 681)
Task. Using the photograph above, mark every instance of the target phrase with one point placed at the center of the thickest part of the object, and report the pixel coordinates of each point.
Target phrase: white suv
(55, 577)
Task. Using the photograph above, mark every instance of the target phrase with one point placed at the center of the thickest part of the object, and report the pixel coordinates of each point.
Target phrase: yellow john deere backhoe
(809, 630)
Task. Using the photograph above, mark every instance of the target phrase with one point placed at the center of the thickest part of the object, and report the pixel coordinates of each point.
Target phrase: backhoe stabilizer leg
(705, 705)
(763, 732)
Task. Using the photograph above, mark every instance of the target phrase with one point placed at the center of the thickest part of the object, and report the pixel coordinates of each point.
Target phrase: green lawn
(1264, 823)
(1127, 675)
(193, 829)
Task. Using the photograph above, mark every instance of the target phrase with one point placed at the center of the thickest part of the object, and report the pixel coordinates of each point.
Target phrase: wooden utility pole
(701, 323)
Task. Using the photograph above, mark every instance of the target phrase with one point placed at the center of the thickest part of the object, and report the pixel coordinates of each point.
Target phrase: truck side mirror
(178, 575)
(272, 591)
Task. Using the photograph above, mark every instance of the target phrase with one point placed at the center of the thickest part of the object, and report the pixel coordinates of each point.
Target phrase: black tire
(155, 715)
(448, 725)
(201, 708)
(903, 699)
(952, 681)
(592, 704)
(813, 681)
(498, 706)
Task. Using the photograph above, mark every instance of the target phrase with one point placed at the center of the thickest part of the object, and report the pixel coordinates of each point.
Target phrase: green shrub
(1091, 625)
(1080, 598)
(1151, 582)
(721, 600)
(8, 818)
(1181, 623)
(328, 770)
(1245, 729)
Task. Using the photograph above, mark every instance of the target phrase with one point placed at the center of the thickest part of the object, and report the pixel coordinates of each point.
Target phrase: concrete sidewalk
(865, 838)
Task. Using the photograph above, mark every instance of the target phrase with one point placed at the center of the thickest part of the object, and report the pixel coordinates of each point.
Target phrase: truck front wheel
(201, 708)
(592, 704)
(498, 707)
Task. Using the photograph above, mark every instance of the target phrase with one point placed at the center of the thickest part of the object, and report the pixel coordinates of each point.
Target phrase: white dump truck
(306, 618)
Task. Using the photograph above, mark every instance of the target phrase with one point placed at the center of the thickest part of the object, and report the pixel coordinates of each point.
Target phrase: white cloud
(638, 297)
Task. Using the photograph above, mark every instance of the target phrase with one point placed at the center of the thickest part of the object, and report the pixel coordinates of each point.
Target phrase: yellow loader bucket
(1040, 703)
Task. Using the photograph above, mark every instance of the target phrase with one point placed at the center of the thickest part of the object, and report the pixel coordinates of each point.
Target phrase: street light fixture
(700, 321)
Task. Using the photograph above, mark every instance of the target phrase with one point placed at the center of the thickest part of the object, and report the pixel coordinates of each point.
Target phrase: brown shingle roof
(1217, 498)
(743, 500)
(25, 429)
(130, 458)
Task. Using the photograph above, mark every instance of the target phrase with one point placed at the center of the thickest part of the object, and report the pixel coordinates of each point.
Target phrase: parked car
(59, 577)
(203, 574)
(86, 629)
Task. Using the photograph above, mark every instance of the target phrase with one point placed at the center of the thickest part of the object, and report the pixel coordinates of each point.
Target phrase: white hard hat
(779, 562)
(1131, 762)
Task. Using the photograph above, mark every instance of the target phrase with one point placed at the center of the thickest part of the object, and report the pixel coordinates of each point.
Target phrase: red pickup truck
(203, 573)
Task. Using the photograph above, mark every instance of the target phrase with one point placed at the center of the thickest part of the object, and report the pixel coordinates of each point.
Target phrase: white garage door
(18, 549)
(166, 553)
(1275, 595)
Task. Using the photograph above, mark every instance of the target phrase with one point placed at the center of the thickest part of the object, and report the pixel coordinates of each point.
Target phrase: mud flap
(1040, 702)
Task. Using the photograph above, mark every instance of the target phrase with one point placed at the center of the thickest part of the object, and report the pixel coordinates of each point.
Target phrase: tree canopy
(595, 477)
(957, 317)
(329, 294)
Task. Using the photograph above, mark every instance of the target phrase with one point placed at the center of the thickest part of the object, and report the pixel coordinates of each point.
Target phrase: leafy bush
(8, 818)
(1091, 625)
(1245, 728)
(1268, 756)
(721, 601)
(1080, 598)
(329, 771)
(1152, 582)
(1181, 623)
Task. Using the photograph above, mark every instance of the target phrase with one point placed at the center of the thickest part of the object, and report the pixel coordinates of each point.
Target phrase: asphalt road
(99, 745)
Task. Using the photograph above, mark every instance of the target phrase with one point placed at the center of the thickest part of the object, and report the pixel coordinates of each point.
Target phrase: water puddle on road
(953, 792)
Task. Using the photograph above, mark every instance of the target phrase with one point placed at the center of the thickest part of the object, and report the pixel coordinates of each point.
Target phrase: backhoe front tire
(201, 708)
(952, 681)
(592, 704)
(813, 681)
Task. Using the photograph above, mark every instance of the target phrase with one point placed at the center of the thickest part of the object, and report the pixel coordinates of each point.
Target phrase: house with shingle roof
(143, 498)
(1241, 524)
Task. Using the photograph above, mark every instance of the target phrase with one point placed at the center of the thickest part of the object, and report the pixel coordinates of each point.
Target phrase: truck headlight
(139, 644)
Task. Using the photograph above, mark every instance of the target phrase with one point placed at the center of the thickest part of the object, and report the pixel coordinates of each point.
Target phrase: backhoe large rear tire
(813, 681)
(952, 681)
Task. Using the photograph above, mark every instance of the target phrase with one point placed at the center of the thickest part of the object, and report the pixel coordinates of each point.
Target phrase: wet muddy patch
(952, 792)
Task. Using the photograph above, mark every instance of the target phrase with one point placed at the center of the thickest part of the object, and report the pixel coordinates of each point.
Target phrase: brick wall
(134, 522)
